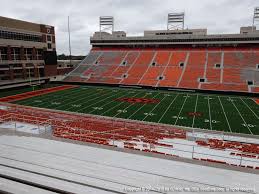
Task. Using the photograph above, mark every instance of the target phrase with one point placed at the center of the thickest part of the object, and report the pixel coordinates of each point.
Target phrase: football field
(204, 111)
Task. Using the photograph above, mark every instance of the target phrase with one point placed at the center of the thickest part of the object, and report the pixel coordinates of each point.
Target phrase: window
(28, 53)
(20, 36)
(49, 38)
(49, 46)
(3, 53)
(15, 54)
(39, 54)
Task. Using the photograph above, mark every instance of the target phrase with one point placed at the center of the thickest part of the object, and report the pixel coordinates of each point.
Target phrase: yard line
(249, 108)
(155, 107)
(28, 101)
(225, 114)
(195, 110)
(111, 101)
(181, 109)
(74, 95)
(95, 94)
(78, 99)
(129, 105)
(209, 112)
(118, 105)
(168, 108)
(141, 106)
(99, 101)
(241, 116)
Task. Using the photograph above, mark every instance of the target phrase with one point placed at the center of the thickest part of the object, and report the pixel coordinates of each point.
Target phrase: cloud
(132, 16)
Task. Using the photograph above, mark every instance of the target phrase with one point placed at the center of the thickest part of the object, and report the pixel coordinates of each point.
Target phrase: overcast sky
(132, 16)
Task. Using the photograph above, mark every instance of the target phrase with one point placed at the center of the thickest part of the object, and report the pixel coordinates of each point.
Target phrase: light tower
(106, 24)
(256, 18)
(175, 21)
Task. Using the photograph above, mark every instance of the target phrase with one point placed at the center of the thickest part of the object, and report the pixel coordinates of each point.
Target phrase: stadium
(174, 97)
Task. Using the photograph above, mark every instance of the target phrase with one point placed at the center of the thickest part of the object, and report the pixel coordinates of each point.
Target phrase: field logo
(139, 100)
(194, 114)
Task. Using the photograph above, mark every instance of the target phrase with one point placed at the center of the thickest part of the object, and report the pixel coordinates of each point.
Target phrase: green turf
(218, 112)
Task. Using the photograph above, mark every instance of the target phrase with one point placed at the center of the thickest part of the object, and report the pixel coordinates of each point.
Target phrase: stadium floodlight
(256, 17)
(175, 21)
(106, 24)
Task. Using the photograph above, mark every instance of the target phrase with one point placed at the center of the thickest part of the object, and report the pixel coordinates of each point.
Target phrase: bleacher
(205, 69)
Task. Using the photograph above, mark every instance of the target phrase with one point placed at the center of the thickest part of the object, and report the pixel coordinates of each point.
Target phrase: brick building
(27, 50)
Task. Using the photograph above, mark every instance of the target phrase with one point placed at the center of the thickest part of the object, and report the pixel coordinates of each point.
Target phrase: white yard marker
(97, 108)
(168, 108)
(80, 99)
(42, 97)
(225, 114)
(76, 105)
(209, 112)
(141, 107)
(123, 111)
(73, 93)
(110, 101)
(98, 101)
(150, 113)
(181, 109)
(249, 108)
(193, 119)
(247, 125)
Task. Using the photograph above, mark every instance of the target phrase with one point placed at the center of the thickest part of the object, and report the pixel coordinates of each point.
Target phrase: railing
(191, 151)
(164, 147)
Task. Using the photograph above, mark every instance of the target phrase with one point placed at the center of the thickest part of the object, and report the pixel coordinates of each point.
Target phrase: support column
(9, 52)
(24, 71)
(11, 72)
(34, 55)
(36, 71)
(22, 53)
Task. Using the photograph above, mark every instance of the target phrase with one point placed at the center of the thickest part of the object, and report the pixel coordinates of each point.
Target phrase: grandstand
(175, 94)
(225, 62)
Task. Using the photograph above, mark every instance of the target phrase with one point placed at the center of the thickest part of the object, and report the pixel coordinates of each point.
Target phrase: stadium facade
(27, 50)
